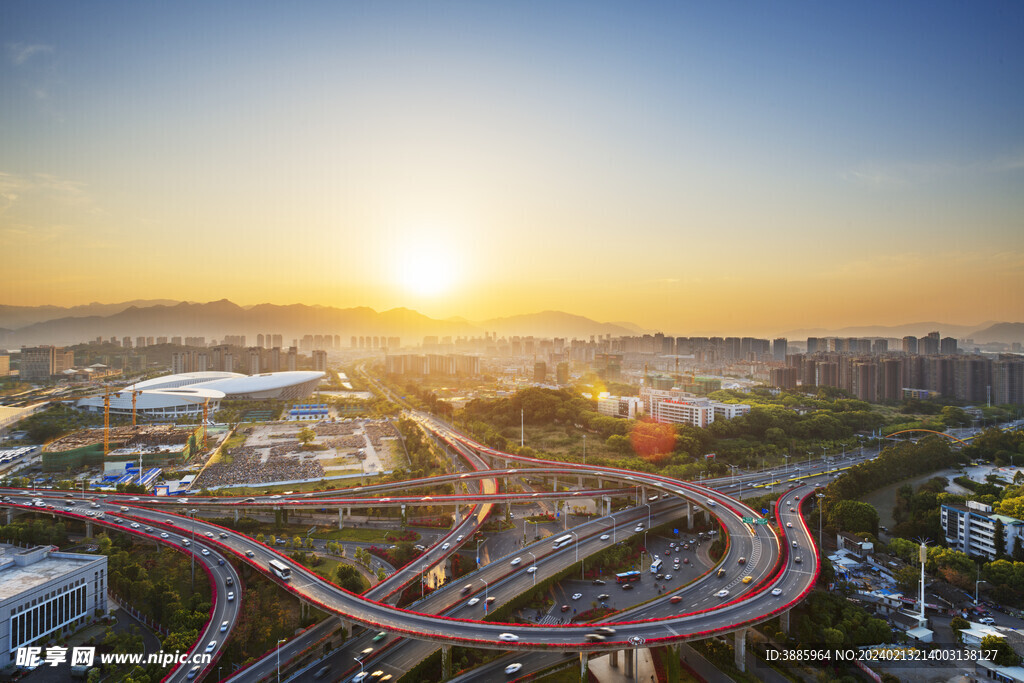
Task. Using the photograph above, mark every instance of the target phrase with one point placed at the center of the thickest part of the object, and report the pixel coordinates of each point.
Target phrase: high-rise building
(293, 359)
(779, 347)
(275, 359)
(929, 345)
(783, 378)
(540, 371)
(562, 373)
(880, 347)
(910, 344)
(255, 354)
(38, 362)
(947, 346)
(1008, 380)
(813, 344)
(5, 365)
(320, 360)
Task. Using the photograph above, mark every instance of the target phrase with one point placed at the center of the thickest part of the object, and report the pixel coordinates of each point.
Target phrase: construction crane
(135, 393)
(206, 409)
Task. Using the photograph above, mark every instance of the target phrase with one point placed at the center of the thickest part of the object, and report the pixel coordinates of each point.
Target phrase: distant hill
(553, 324)
(218, 318)
(1006, 333)
(13, 317)
(908, 329)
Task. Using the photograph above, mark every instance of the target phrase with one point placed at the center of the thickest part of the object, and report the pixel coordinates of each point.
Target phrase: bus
(282, 570)
(656, 566)
(561, 541)
(626, 577)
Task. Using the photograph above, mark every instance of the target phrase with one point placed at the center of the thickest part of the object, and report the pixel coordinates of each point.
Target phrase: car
(675, 599)
(231, 596)
(249, 553)
(721, 573)
(322, 671)
(742, 560)
(446, 546)
(220, 561)
(627, 586)
(163, 535)
(748, 579)
(377, 674)
(249, 500)
(134, 499)
(185, 542)
(565, 608)
(508, 637)
(686, 560)
(797, 559)
(789, 524)
(711, 503)
(722, 593)
(668, 551)
(792, 510)
(605, 537)
(365, 653)
(210, 646)
(459, 538)
(795, 544)
(512, 668)
(360, 676)
(490, 600)
(577, 596)
(603, 596)
(167, 521)
(659, 577)
(473, 601)
(594, 637)
(639, 525)
(124, 509)
(205, 552)
(94, 505)
(638, 529)
(668, 577)
(606, 630)
(597, 582)
(149, 529)
(516, 561)
(209, 534)
(776, 591)
(381, 635)
(986, 620)
(90, 513)
(468, 587)
(223, 626)
(193, 672)
(532, 569)
(222, 535)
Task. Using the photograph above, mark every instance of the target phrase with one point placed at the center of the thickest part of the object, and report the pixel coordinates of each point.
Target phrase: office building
(971, 529)
(320, 361)
(619, 406)
(45, 592)
(42, 362)
(779, 347)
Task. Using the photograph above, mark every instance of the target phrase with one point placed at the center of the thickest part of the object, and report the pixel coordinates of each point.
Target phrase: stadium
(172, 396)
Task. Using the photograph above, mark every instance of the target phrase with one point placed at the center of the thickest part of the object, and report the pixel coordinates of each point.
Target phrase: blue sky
(535, 151)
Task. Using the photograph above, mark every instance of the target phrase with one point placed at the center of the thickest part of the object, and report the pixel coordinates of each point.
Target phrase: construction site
(150, 444)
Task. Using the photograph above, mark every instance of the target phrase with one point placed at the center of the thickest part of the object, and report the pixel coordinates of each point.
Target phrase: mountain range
(29, 325)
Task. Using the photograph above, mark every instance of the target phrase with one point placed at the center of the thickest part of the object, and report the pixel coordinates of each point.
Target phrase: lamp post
(423, 578)
(976, 583)
(786, 456)
(648, 505)
(355, 658)
(279, 659)
(733, 468)
(584, 450)
(482, 540)
(576, 544)
(534, 566)
(192, 513)
(613, 527)
(485, 595)
(820, 496)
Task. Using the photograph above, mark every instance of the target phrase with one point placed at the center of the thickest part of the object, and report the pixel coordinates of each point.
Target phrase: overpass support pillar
(580, 481)
(88, 529)
(689, 514)
(628, 667)
(613, 659)
(236, 514)
(643, 496)
(740, 649)
(583, 667)
(554, 483)
(508, 509)
(10, 516)
(341, 518)
(446, 662)
(784, 621)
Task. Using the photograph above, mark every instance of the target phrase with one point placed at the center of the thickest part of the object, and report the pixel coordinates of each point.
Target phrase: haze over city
(703, 169)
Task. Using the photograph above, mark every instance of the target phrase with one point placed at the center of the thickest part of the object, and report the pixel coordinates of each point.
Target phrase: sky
(718, 168)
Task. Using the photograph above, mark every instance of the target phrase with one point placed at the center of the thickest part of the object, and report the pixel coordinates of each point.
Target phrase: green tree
(958, 624)
(297, 542)
(908, 578)
(306, 436)
(349, 578)
(999, 538)
(853, 516)
(1004, 654)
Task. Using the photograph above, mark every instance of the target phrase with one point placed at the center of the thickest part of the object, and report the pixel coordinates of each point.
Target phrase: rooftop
(16, 579)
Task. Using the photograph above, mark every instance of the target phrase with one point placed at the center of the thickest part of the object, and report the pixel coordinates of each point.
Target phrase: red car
(675, 599)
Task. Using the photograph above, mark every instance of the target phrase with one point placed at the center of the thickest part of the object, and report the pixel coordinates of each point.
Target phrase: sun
(426, 269)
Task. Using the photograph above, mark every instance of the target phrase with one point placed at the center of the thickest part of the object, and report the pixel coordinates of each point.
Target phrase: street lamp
(976, 583)
(612, 518)
(279, 659)
(648, 505)
(355, 658)
(482, 540)
(534, 565)
(584, 450)
(485, 594)
(820, 496)
(733, 467)
(576, 544)
(192, 513)
(786, 456)
(423, 578)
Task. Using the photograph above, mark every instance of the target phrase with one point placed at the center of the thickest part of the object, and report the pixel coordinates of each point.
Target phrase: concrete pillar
(583, 666)
(580, 481)
(689, 514)
(88, 529)
(554, 483)
(600, 484)
(740, 649)
(613, 659)
(643, 496)
(784, 621)
(10, 516)
(341, 518)
(508, 508)
(629, 669)
(236, 514)
(446, 662)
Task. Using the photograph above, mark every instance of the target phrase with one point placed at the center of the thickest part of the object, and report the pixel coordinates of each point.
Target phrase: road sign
(761, 521)
(748, 520)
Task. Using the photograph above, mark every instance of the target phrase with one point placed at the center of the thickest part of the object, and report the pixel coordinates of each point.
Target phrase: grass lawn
(329, 570)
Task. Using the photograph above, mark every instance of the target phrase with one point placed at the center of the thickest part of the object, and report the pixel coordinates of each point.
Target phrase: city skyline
(701, 168)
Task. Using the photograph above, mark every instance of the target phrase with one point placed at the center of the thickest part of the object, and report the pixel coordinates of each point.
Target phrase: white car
(163, 535)
(577, 596)
(986, 620)
(605, 537)
(209, 534)
(360, 676)
(638, 529)
(205, 551)
(711, 503)
(473, 601)
(722, 593)
(459, 538)
(776, 591)
(223, 626)
(508, 637)
(212, 644)
(516, 561)
(135, 525)
(512, 668)
(446, 546)
(668, 577)
(789, 524)
(531, 570)
(231, 596)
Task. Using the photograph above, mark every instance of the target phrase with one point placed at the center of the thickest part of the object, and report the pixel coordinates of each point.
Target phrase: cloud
(916, 173)
(21, 53)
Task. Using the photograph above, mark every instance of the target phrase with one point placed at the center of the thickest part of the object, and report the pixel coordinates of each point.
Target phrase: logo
(637, 640)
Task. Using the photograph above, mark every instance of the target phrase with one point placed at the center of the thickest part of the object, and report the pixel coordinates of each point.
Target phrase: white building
(697, 413)
(43, 592)
(971, 529)
(619, 406)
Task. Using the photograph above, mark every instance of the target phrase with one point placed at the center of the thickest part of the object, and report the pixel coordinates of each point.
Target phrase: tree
(349, 578)
(1004, 654)
(306, 436)
(853, 516)
(908, 578)
(297, 542)
(958, 624)
(999, 538)
(1018, 550)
